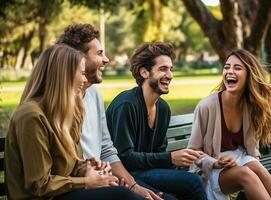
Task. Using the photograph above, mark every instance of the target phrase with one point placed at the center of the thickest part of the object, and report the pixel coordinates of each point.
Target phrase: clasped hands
(225, 162)
(98, 174)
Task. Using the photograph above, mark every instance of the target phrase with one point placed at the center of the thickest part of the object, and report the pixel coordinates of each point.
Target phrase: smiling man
(138, 120)
(95, 139)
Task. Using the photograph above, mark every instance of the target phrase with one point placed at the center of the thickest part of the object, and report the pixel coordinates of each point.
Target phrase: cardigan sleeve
(124, 128)
(196, 141)
(34, 144)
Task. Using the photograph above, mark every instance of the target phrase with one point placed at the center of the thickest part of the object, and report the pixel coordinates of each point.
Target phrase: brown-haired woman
(229, 125)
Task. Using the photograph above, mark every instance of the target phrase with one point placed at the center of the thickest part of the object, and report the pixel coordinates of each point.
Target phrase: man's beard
(154, 84)
(92, 76)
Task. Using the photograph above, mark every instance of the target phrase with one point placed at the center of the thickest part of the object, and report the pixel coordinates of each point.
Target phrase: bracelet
(132, 186)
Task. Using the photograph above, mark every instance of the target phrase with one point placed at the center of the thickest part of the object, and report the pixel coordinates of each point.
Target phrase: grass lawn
(185, 92)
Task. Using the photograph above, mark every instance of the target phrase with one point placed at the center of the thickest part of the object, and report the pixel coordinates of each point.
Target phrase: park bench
(178, 134)
(2, 186)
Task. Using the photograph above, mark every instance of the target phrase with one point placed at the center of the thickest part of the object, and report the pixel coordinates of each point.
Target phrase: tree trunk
(42, 33)
(211, 27)
(28, 64)
(242, 24)
(259, 27)
(19, 58)
(26, 45)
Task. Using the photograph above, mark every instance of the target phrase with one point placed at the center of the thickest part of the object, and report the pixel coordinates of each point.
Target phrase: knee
(197, 188)
(195, 183)
(261, 171)
(196, 180)
(246, 175)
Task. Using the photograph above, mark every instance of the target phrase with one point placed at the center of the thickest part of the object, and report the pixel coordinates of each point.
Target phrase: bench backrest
(2, 185)
(179, 131)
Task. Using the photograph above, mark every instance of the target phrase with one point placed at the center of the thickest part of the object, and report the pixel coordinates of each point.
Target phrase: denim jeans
(182, 184)
(102, 193)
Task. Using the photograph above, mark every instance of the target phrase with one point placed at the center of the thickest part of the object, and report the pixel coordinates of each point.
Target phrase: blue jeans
(102, 193)
(182, 184)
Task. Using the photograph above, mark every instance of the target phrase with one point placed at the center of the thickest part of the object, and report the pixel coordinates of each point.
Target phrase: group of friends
(62, 144)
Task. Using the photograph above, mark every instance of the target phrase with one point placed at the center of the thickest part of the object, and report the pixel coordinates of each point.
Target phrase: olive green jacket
(36, 164)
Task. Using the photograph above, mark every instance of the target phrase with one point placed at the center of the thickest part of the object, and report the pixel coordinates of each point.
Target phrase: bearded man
(138, 119)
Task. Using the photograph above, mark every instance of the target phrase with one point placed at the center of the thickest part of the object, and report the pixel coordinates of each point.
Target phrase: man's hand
(185, 157)
(224, 162)
(146, 193)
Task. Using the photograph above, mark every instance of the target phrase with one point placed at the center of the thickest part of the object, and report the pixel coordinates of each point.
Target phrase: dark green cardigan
(139, 147)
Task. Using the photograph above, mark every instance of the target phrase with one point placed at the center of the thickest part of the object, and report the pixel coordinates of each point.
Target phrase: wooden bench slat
(177, 144)
(177, 120)
(266, 162)
(184, 131)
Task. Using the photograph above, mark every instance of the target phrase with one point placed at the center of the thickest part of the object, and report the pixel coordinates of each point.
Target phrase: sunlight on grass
(183, 90)
(185, 93)
(10, 99)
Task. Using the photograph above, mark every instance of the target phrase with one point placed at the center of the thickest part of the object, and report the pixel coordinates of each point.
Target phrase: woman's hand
(98, 178)
(100, 165)
(225, 162)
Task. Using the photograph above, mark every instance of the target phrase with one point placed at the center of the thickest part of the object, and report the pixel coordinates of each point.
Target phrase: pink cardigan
(206, 132)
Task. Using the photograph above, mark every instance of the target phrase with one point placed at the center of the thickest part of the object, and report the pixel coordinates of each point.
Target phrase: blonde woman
(42, 152)
(230, 124)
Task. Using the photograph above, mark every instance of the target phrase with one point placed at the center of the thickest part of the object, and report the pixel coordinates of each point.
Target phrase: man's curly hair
(144, 56)
(78, 35)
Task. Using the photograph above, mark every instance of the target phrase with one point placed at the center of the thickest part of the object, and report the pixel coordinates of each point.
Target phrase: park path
(128, 84)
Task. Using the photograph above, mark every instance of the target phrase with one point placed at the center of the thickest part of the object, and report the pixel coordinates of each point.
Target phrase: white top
(95, 139)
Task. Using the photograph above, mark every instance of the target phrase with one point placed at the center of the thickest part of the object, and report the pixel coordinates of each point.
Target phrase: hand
(146, 193)
(100, 165)
(123, 183)
(185, 157)
(224, 162)
(98, 178)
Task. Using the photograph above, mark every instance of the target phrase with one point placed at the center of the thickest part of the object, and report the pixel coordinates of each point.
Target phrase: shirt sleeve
(35, 149)
(199, 129)
(109, 152)
(124, 128)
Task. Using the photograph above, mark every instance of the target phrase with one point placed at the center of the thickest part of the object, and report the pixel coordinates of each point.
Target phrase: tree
(19, 21)
(45, 12)
(244, 24)
(104, 7)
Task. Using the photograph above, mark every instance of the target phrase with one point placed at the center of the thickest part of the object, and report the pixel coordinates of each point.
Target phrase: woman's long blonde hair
(51, 84)
(257, 95)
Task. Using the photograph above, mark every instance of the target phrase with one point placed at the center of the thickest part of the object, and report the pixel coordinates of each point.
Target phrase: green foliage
(107, 5)
(119, 38)
(80, 14)
(127, 23)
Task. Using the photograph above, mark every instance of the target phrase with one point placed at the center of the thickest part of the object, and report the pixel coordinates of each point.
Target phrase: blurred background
(203, 32)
